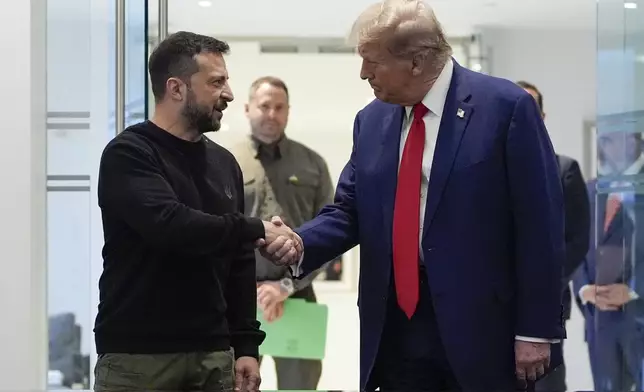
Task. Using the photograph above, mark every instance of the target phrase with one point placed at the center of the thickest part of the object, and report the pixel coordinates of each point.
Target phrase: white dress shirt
(435, 102)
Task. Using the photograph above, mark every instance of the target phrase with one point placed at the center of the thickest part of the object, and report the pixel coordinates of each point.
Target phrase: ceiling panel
(333, 18)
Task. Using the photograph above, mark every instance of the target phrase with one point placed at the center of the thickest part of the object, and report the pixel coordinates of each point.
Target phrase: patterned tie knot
(420, 111)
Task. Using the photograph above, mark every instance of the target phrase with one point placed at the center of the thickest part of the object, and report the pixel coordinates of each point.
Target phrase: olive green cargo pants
(207, 372)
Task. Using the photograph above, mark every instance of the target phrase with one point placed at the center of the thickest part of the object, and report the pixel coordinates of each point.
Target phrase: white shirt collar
(633, 169)
(435, 98)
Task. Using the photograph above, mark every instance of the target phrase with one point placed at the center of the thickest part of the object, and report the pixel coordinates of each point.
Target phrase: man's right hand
(280, 244)
(589, 294)
(273, 312)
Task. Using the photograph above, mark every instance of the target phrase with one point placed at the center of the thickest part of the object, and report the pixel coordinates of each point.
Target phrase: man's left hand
(247, 377)
(532, 359)
(269, 294)
(613, 295)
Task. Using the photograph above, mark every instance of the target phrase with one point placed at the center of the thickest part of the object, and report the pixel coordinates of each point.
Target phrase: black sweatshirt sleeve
(241, 297)
(133, 188)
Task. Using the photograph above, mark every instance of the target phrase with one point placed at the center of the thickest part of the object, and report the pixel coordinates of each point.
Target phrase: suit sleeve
(580, 279)
(581, 276)
(133, 188)
(536, 198)
(335, 229)
(324, 194)
(241, 298)
(577, 225)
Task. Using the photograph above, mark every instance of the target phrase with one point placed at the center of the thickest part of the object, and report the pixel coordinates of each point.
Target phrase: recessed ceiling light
(630, 5)
(477, 67)
(205, 3)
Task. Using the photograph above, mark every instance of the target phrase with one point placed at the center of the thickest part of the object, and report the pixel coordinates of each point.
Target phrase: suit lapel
(455, 118)
(390, 138)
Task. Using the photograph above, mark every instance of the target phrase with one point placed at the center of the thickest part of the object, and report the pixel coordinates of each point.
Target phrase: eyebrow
(218, 78)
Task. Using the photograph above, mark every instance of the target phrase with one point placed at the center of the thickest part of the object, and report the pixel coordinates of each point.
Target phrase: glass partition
(81, 115)
(615, 264)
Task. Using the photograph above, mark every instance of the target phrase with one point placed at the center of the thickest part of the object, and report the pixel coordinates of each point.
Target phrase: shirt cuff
(537, 340)
(581, 294)
(633, 295)
(296, 270)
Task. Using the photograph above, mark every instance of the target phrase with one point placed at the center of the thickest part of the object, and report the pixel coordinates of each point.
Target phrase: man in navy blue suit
(453, 193)
(610, 282)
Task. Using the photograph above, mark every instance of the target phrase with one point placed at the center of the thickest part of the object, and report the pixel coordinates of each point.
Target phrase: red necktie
(406, 235)
(612, 206)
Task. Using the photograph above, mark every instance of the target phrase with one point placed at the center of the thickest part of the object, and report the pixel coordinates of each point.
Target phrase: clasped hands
(607, 297)
(280, 244)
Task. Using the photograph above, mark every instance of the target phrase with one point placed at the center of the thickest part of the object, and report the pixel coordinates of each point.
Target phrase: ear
(418, 64)
(543, 115)
(175, 89)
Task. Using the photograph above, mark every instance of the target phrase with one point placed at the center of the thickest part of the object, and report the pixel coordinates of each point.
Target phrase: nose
(227, 93)
(365, 73)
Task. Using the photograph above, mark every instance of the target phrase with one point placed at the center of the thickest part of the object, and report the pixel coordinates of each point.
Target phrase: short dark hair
(530, 86)
(174, 57)
(271, 80)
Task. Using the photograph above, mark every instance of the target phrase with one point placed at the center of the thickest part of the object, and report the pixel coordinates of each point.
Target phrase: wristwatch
(287, 285)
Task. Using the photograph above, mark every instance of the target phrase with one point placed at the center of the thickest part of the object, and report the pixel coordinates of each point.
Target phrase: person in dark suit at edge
(577, 224)
(610, 281)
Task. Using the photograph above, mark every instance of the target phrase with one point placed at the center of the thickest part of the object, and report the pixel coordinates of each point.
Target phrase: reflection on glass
(617, 340)
(614, 268)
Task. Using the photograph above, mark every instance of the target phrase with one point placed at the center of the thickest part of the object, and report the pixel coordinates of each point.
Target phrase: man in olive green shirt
(287, 179)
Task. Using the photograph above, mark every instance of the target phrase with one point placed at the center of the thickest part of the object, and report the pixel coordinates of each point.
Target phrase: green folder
(299, 333)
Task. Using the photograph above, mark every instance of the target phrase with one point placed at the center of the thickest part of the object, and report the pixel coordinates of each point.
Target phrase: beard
(200, 117)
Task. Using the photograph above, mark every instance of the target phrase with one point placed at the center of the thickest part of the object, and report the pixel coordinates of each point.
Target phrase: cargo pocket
(118, 371)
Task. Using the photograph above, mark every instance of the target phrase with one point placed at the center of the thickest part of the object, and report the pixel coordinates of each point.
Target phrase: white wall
(562, 64)
(325, 94)
(23, 342)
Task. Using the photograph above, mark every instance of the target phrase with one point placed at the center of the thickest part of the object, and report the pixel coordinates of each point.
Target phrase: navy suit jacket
(613, 247)
(493, 240)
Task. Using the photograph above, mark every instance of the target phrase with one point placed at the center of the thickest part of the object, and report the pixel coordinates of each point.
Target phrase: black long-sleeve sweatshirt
(179, 263)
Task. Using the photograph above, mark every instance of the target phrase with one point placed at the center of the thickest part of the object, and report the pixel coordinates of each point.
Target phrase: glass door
(615, 266)
(96, 59)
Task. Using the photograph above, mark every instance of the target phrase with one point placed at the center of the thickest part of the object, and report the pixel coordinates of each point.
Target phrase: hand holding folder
(299, 333)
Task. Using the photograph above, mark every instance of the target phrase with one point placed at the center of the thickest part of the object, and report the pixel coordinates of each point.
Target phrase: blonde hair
(406, 27)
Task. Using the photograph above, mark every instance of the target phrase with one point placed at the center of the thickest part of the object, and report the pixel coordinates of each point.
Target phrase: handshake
(280, 244)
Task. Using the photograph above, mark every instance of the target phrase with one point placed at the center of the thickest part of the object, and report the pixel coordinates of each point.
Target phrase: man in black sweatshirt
(177, 307)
